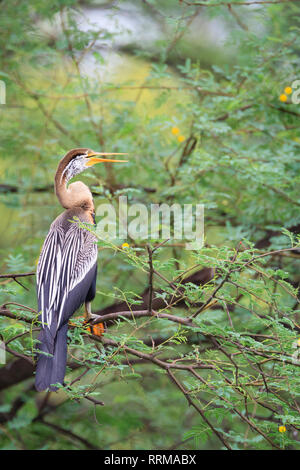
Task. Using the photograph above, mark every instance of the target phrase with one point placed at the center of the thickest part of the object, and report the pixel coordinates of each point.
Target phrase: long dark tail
(51, 369)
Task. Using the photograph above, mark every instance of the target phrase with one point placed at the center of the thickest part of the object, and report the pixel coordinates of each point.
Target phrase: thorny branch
(226, 364)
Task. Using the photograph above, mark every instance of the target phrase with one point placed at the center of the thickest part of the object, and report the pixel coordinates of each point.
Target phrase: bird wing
(65, 272)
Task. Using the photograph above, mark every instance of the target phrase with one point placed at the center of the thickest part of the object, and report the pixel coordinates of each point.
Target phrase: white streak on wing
(42, 308)
(54, 278)
(54, 282)
(62, 308)
(85, 261)
(48, 272)
(65, 260)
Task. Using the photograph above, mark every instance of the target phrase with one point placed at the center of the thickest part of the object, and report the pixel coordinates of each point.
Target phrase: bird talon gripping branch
(67, 268)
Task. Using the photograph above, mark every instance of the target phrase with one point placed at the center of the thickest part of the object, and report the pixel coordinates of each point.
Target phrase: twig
(14, 276)
(150, 357)
(191, 402)
(142, 313)
(238, 19)
(150, 278)
(207, 303)
(70, 434)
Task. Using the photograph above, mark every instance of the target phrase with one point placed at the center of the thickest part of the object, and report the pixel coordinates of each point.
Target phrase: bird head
(78, 160)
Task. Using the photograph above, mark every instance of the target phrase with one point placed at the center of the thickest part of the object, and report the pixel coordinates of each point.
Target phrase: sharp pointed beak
(93, 159)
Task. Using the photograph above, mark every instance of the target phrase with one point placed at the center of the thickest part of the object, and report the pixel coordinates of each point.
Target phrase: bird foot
(91, 317)
(88, 315)
(96, 329)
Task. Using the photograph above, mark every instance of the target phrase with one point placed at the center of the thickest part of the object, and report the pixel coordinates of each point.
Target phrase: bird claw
(92, 317)
(95, 326)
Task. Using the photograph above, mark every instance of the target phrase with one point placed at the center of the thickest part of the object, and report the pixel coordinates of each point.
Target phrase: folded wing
(65, 273)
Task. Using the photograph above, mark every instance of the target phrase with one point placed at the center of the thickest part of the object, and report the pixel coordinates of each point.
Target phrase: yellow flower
(298, 342)
(282, 429)
(181, 138)
(125, 245)
(283, 97)
(175, 130)
(288, 90)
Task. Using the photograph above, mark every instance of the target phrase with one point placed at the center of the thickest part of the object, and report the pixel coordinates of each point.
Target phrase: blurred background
(194, 93)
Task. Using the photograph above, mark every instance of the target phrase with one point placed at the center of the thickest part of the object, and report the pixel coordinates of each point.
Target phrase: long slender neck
(75, 195)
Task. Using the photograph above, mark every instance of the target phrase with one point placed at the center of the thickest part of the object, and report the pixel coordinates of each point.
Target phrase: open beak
(93, 159)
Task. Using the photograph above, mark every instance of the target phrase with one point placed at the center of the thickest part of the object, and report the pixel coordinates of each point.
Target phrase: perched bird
(67, 267)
